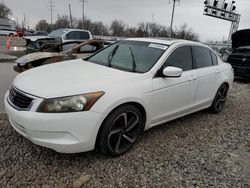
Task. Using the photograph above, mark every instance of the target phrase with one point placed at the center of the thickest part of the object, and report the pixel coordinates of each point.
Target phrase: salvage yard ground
(198, 150)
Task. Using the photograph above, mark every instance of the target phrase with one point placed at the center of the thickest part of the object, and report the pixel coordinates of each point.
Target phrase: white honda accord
(108, 99)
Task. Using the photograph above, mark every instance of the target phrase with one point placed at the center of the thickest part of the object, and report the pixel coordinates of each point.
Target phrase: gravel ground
(200, 150)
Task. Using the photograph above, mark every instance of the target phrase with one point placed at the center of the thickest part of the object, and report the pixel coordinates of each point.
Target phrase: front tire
(120, 131)
(220, 99)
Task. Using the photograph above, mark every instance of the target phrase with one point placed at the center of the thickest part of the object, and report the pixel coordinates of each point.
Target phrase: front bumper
(241, 71)
(64, 133)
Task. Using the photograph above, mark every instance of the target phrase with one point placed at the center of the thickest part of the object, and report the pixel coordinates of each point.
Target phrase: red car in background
(20, 32)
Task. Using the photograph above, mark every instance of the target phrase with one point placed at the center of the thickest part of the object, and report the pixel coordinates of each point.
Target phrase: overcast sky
(133, 12)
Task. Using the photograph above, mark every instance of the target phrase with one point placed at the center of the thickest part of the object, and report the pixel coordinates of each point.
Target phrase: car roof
(69, 29)
(165, 41)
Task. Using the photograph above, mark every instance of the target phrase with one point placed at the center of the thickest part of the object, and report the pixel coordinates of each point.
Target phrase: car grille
(19, 100)
(239, 60)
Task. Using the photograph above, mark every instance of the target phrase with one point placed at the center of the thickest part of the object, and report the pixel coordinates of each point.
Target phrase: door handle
(192, 77)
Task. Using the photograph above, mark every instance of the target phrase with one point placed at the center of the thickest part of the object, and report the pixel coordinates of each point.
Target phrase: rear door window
(73, 35)
(83, 35)
(202, 57)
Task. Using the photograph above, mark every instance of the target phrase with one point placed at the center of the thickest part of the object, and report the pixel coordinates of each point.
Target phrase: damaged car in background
(240, 56)
(40, 43)
(59, 52)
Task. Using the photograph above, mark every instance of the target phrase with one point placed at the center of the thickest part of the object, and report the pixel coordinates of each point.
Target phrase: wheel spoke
(131, 140)
(222, 99)
(114, 132)
(218, 105)
(125, 118)
(132, 123)
(118, 143)
(223, 92)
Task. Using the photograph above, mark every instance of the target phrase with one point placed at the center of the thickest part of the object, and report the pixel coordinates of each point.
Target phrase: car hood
(35, 38)
(35, 56)
(68, 78)
(241, 38)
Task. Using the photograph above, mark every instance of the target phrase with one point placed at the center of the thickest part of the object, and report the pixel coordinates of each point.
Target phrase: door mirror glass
(172, 71)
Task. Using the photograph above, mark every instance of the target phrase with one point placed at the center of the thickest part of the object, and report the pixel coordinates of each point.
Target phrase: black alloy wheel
(120, 131)
(220, 99)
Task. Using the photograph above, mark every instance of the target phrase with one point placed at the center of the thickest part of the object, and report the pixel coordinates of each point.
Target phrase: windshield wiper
(133, 59)
(111, 55)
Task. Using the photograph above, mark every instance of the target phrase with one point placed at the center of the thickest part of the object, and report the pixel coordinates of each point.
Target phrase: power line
(51, 8)
(83, 3)
(172, 18)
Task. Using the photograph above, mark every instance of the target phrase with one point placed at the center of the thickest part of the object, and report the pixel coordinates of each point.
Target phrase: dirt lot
(7, 75)
(200, 150)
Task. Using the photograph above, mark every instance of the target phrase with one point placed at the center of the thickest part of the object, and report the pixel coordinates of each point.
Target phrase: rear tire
(220, 99)
(11, 35)
(120, 131)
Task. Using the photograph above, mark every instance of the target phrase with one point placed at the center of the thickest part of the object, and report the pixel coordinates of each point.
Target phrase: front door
(172, 97)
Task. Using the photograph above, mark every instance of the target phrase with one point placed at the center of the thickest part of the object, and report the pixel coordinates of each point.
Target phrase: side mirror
(172, 72)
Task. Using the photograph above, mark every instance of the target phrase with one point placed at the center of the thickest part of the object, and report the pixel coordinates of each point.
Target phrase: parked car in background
(58, 52)
(7, 27)
(240, 56)
(38, 33)
(20, 32)
(66, 35)
(8, 32)
(35, 43)
(108, 99)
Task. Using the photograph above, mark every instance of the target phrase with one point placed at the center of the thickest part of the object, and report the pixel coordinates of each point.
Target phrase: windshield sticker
(158, 46)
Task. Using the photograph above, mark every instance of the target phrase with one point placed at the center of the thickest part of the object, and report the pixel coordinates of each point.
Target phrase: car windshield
(57, 33)
(133, 56)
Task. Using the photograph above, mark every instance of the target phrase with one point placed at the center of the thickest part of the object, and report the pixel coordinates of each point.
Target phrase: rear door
(206, 64)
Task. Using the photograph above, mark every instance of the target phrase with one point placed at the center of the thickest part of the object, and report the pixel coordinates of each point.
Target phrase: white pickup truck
(34, 43)
(8, 32)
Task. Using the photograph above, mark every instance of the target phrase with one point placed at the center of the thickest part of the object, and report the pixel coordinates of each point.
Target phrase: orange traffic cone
(8, 43)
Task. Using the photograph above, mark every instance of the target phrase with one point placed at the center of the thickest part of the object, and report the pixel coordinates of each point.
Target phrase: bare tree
(5, 12)
(42, 25)
(62, 22)
(117, 28)
(184, 32)
(143, 30)
(98, 28)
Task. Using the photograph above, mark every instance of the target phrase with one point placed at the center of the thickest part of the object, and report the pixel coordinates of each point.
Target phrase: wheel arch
(137, 104)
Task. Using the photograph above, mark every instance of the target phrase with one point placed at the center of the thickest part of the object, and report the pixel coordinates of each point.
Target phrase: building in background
(7, 24)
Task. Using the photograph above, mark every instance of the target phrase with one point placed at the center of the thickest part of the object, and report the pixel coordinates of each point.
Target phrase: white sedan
(105, 101)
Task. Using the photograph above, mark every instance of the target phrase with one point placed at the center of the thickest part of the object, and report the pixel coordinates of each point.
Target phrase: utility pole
(83, 3)
(24, 21)
(172, 19)
(51, 8)
(70, 15)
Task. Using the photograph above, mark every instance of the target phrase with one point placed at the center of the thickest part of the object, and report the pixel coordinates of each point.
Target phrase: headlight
(75, 103)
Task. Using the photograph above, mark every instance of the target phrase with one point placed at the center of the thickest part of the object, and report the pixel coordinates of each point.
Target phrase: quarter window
(181, 58)
(214, 58)
(202, 57)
